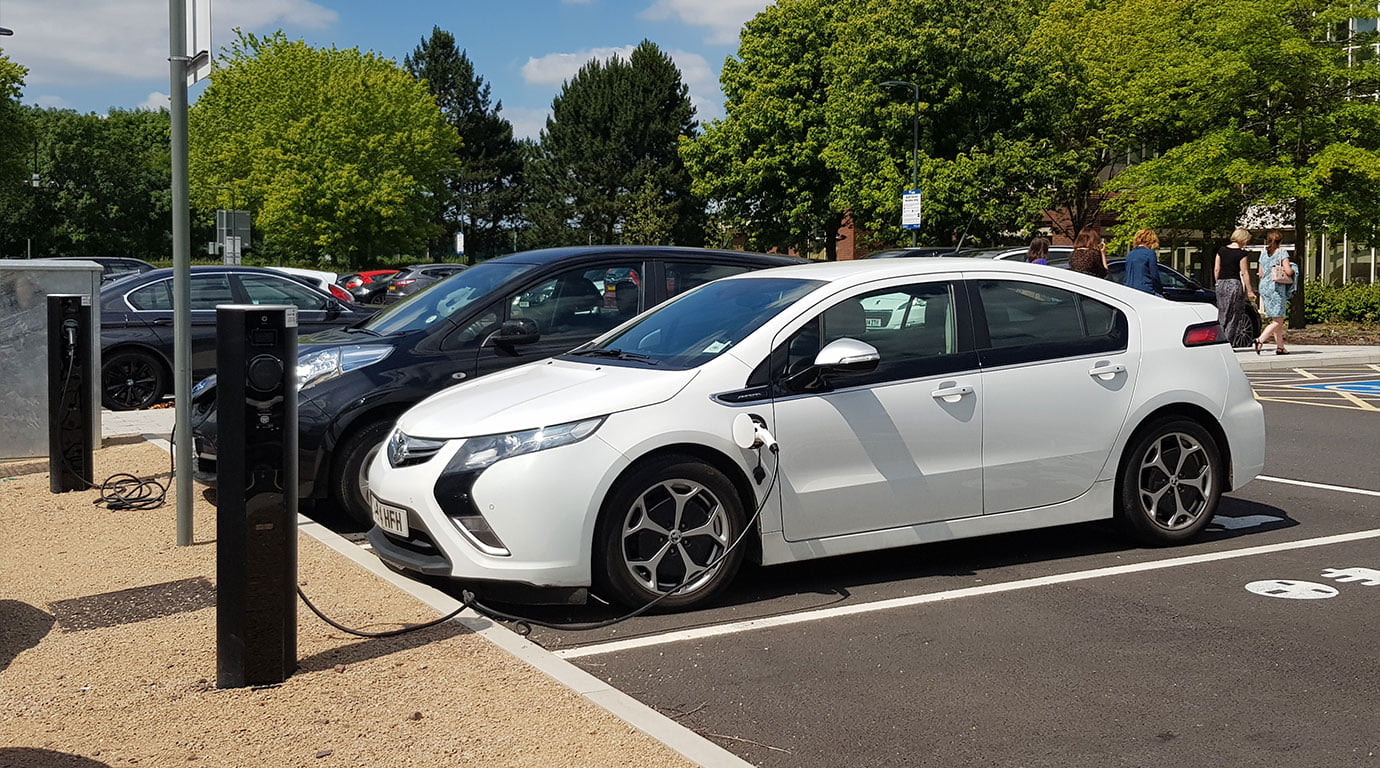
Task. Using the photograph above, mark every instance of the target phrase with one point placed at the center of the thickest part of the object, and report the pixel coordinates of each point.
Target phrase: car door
(898, 446)
(312, 307)
(154, 305)
(1059, 367)
(567, 308)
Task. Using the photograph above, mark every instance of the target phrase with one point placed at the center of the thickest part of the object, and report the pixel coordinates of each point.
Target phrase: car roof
(554, 255)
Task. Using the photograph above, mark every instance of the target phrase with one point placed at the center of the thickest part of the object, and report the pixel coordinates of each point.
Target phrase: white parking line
(987, 589)
(1323, 486)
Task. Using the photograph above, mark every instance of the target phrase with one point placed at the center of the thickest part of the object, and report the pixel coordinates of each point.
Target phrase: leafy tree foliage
(609, 153)
(484, 191)
(14, 135)
(763, 166)
(102, 186)
(336, 152)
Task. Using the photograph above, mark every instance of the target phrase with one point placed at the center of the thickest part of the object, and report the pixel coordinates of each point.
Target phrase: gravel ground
(91, 677)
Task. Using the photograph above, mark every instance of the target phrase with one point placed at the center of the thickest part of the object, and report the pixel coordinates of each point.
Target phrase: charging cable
(523, 624)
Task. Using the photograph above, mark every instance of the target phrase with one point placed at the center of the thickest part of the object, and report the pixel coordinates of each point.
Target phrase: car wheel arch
(710, 456)
(1184, 410)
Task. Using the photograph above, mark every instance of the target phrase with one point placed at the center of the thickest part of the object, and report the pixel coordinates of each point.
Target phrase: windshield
(445, 298)
(697, 326)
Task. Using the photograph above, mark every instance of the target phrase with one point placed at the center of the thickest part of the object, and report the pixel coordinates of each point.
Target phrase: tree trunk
(1296, 316)
(832, 222)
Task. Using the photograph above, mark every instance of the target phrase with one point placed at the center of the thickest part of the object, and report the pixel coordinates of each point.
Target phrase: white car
(324, 281)
(984, 397)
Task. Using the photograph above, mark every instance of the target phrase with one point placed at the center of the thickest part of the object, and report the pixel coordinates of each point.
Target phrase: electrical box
(69, 392)
(256, 495)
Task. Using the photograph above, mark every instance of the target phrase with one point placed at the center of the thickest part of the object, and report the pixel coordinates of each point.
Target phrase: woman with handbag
(1277, 276)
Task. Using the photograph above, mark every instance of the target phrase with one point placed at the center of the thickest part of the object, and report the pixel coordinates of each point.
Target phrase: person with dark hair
(1232, 272)
(1038, 252)
(1089, 253)
(1277, 275)
(1142, 265)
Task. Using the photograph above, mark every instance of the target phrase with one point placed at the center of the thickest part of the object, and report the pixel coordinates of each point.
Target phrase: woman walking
(1232, 272)
(1277, 275)
(1089, 254)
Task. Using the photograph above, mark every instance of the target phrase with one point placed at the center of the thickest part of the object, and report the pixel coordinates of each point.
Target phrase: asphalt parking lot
(1064, 647)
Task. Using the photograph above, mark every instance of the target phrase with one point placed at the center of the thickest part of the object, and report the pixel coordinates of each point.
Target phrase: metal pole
(914, 149)
(182, 269)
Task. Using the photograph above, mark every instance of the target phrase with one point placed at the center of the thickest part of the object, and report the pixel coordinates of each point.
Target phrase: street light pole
(914, 137)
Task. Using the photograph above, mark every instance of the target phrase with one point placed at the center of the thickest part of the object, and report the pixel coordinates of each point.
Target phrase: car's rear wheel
(349, 479)
(669, 524)
(1170, 483)
(131, 380)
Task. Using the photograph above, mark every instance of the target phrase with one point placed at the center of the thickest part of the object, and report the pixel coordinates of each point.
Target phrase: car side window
(267, 289)
(581, 303)
(153, 297)
(682, 276)
(210, 290)
(1170, 279)
(916, 330)
(1026, 322)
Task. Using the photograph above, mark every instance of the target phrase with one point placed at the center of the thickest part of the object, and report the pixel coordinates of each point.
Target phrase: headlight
(479, 452)
(316, 366)
(405, 450)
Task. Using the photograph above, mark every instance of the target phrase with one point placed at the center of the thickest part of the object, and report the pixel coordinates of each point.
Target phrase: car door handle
(163, 321)
(943, 393)
(1099, 371)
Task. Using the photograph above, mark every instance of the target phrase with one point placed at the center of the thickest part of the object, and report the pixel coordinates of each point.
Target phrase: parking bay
(1048, 648)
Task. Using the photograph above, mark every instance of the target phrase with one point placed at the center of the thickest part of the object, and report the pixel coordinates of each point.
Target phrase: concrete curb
(682, 740)
(1307, 356)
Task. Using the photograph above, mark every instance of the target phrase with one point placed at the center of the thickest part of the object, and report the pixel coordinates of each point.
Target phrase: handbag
(1278, 275)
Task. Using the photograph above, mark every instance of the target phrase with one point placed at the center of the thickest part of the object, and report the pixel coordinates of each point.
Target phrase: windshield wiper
(360, 329)
(615, 353)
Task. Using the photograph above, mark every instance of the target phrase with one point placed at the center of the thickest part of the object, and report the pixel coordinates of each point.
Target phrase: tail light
(1203, 334)
(353, 283)
(340, 293)
(404, 281)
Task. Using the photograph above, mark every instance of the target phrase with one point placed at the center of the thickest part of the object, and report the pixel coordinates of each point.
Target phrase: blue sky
(91, 55)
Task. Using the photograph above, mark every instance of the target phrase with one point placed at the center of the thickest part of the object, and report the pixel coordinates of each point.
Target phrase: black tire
(351, 458)
(132, 380)
(675, 495)
(1170, 482)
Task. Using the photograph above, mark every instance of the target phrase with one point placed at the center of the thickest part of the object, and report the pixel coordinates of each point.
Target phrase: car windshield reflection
(700, 325)
(444, 298)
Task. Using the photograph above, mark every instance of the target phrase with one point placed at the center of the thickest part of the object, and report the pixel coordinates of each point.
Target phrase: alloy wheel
(131, 381)
(674, 533)
(1175, 481)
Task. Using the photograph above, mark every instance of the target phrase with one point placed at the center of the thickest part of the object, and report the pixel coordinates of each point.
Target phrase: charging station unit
(69, 392)
(256, 495)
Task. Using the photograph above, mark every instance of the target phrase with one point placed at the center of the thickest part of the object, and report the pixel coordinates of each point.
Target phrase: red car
(368, 286)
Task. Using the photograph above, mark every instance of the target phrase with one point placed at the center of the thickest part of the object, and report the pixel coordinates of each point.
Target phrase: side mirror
(844, 357)
(514, 333)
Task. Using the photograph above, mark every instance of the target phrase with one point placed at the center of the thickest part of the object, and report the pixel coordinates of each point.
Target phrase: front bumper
(312, 423)
(543, 506)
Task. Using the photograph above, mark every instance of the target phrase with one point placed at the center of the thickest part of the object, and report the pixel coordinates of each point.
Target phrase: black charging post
(256, 495)
(70, 438)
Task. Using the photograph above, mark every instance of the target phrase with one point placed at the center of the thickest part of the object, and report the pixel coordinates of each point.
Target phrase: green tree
(484, 190)
(336, 152)
(763, 166)
(102, 186)
(14, 141)
(614, 132)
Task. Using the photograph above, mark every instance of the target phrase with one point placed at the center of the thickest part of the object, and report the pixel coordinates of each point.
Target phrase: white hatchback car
(912, 400)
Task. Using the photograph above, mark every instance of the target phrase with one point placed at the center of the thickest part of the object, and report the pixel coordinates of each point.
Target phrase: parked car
(495, 315)
(1007, 399)
(113, 267)
(897, 253)
(412, 280)
(318, 279)
(368, 286)
(137, 324)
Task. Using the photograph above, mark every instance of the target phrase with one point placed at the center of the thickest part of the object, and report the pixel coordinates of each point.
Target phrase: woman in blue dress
(1275, 295)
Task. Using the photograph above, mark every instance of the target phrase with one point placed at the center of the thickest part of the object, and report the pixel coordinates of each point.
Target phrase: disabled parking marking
(1238, 523)
(935, 597)
(1368, 577)
(1350, 387)
(1291, 590)
(1357, 387)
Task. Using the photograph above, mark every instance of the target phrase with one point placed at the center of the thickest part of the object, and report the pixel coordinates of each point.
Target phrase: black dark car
(495, 315)
(137, 324)
(114, 267)
(412, 280)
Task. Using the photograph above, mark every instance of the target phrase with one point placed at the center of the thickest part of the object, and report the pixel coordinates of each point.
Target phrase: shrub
(1353, 302)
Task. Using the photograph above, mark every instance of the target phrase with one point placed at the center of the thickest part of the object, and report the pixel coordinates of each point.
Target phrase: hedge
(1352, 302)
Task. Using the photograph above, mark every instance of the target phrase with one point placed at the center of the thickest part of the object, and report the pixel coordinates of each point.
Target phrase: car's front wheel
(667, 527)
(349, 480)
(131, 380)
(1170, 483)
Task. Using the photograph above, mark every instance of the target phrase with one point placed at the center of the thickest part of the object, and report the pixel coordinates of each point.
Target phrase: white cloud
(50, 102)
(527, 123)
(695, 72)
(156, 101)
(80, 42)
(723, 17)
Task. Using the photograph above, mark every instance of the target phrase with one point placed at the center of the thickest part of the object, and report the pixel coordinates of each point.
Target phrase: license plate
(390, 518)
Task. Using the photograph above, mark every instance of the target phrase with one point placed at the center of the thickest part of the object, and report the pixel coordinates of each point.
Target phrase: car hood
(538, 395)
